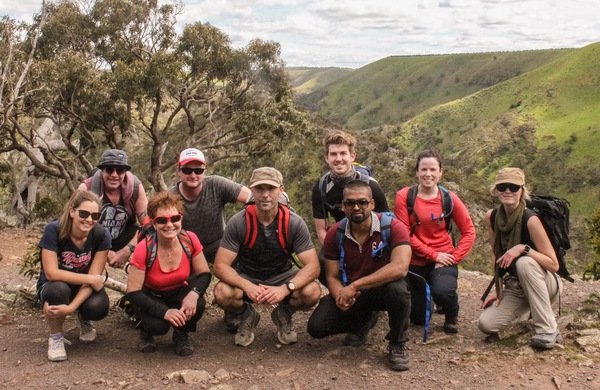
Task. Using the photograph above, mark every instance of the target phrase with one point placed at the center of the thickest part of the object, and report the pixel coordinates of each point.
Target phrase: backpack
(365, 174)
(283, 226)
(447, 207)
(148, 233)
(386, 225)
(129, 190)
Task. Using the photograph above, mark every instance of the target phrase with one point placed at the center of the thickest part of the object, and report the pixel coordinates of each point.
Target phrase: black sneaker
(359, 338)
(183, 345)
(398, 356)
(147, 343)
(451, 325)
(232, 321)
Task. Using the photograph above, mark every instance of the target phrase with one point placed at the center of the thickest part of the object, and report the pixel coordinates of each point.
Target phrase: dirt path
(464, 361)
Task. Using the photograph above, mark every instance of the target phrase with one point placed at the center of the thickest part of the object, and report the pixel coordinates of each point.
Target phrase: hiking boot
(359, 338)
(87, 332)
(147, 343)
(451, 325)
(283, 320)
(545, 340)
(398, 356)
(232, 321)
(56, 349)
(183, 345)
(245, 333)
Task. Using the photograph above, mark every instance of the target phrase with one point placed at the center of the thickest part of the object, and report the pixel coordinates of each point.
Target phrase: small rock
(286, 372)
(190, 376)
(222, 374)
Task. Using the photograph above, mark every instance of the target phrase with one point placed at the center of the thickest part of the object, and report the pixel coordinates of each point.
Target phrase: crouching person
(260, 241)
(167, 278)
(367, 256)
(73, 252)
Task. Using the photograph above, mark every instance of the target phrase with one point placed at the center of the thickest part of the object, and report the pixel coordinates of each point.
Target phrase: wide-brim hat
(114, 158)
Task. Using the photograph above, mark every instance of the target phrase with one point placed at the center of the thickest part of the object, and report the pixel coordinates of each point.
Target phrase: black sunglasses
(163, 220)
(501, 187)
(188, 170)
(83, 214)
(110, 170)
(354, 202)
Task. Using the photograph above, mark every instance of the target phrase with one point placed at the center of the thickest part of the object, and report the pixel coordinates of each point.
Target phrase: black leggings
(443, 284)
(153, 325)
(60, 293)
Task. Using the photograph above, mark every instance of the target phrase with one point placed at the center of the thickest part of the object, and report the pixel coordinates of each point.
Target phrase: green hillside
(395, 89)
(546, 121)
(305, 80)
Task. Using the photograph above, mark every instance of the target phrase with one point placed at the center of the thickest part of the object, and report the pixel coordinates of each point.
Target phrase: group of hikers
(370, 260)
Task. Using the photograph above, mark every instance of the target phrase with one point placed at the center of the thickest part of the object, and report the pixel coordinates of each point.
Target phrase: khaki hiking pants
(532, 293)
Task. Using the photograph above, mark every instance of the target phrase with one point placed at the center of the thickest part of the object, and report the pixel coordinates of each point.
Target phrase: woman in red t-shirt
(168, 277)
(434, 255)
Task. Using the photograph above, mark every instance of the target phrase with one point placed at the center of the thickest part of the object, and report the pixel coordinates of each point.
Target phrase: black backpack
(554, 214)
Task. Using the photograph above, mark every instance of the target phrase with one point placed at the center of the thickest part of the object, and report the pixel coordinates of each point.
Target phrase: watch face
(291, 286)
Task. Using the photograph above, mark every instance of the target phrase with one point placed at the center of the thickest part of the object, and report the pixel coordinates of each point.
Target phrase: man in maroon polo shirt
(365, 274)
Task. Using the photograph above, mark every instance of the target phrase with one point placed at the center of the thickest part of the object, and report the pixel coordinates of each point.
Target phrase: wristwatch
(195, 289)
(290, 286)
(526, 250)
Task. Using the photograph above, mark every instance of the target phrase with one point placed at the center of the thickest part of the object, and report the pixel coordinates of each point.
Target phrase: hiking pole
(487, 291)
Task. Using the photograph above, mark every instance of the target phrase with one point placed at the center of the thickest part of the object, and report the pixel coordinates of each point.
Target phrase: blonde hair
(339, 137)
(65, 222)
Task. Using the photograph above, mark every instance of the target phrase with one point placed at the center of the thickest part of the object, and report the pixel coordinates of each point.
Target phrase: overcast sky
(353, 33)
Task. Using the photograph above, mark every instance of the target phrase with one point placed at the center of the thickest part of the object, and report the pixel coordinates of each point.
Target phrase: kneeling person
(260, 241)
(168, 277)
(365, 274)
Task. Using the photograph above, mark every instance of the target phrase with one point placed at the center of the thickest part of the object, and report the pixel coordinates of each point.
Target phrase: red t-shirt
(158, 280)
(357, 258)
(431, 236)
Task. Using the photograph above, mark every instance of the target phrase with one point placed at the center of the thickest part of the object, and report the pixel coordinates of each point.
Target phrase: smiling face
(339, 158)
(113, 176)
(84, 225)
(509, 199)
(429, 172)
(191, 174)
(170, 228)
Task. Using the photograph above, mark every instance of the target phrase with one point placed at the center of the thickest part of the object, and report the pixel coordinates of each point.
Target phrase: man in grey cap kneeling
(260, 241)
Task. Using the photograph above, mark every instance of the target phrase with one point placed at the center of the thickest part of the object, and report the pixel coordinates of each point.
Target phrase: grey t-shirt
(205, 214)
(298, 235)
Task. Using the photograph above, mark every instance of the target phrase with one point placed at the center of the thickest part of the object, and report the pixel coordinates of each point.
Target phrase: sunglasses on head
(110, 170)
(501, 187)
(354, 202)
(83, 214)
(188, 170)
(164, 219)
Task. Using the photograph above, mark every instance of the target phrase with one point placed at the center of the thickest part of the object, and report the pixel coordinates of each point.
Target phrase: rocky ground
(464, 361)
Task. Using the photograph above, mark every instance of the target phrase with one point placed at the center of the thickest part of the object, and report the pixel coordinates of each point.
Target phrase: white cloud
(356, 32)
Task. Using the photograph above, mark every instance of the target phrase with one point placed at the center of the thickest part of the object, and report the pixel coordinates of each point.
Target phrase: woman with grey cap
(525, 264)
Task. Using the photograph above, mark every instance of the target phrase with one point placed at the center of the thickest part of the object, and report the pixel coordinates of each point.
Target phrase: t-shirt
(430, 236)
(158, 280)
(70, 257)
(120, 225)
(235, 232)
(205, 214)
(358, 259)
(334, 198)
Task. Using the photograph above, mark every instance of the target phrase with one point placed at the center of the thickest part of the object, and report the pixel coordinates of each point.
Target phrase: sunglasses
(163, 220)
(354, 202)
(188, 170)
(83, 214)
(110, 170)
(501, 187)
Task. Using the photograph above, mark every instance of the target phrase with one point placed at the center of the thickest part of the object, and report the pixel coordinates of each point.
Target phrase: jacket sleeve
(463, 221)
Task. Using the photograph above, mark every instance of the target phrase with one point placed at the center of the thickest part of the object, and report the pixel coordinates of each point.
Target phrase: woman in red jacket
(434, 255)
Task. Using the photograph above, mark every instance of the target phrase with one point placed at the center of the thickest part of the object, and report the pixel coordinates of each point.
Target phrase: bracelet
(526, 250)
(131, 247)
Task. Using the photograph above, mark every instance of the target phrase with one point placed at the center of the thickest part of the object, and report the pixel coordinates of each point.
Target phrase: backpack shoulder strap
(151, 249)
(94, 183)
(339, 242)
(362, 176)
(186, 243)
(411, 197)
(323, 189)
(251, 225)
(447, 206)
(385, 220)
(283, 227)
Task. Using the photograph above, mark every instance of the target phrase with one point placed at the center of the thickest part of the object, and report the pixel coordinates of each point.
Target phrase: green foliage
(47, 208)
(30, 263)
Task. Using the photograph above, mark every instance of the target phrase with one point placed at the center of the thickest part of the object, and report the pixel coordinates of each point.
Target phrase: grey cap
(113, 158)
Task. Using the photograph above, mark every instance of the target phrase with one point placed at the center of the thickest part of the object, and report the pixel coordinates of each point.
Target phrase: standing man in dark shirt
(123, 200)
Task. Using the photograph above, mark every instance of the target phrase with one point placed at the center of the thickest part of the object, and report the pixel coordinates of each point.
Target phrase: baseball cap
(189, 155)
(510, 175)
(266, 175)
